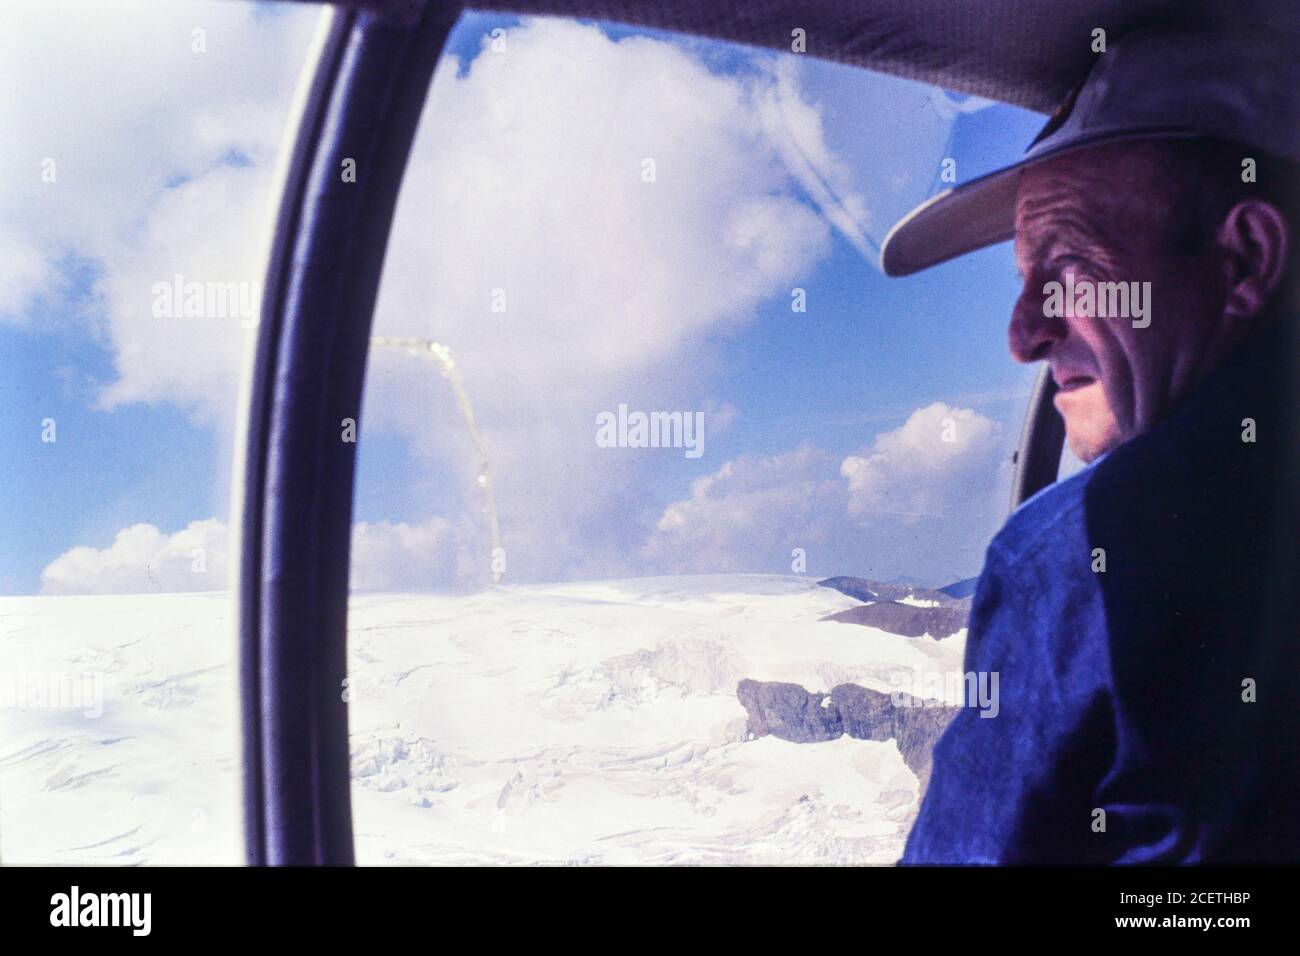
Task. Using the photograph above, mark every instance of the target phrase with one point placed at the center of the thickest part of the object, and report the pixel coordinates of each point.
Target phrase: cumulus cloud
(627, 206)
(750, 514)
(939, 467)
(192, 361)
(143, 559)
(617, 285)
(386, 556)
(145, 157)
(922, 468)
(532, 165)
(390, 556)
(25, 275)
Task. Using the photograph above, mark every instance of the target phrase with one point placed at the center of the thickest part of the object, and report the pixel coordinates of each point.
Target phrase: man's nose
(1032, 333)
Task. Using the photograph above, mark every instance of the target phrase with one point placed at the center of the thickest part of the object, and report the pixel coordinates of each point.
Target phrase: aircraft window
(637, 386)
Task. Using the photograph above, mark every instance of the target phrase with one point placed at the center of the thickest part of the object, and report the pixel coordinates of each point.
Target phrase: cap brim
(981, 212)
(956, 221)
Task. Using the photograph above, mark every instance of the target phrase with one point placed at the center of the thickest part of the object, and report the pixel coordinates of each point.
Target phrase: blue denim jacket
(1150, 711)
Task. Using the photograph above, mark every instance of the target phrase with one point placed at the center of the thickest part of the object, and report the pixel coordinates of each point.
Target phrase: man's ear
(1257, 241)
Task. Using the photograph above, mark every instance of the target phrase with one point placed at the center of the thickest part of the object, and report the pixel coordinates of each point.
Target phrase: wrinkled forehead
(1107, 196)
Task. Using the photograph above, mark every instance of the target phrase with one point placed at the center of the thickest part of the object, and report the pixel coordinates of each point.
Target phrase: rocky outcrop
(916, 725)
(944, 616)
(790, 712)
(864, 589)
(907, 620)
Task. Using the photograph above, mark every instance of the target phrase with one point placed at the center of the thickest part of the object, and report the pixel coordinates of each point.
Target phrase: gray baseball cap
(1241, 86)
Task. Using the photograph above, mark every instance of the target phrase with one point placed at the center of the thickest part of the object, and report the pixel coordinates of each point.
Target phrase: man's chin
(1090, 427)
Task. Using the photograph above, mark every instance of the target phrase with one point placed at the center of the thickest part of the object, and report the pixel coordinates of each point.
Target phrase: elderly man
(1142, 615)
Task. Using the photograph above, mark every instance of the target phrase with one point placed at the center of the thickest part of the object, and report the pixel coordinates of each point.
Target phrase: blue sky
(869, 353)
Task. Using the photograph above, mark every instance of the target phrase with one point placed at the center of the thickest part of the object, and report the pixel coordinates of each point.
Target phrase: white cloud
(189, 361)
(922, 468)
(161, 165)
(527, 177)
(749, 515)
(603, 273)
(858, 518)
(389, 556)
(143, 559)
(385, 556)
(25, 275)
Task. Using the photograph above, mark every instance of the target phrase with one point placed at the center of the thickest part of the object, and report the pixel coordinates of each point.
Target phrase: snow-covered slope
(593, 722)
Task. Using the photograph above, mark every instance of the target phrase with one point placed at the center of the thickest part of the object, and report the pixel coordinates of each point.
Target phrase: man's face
(1102, 216)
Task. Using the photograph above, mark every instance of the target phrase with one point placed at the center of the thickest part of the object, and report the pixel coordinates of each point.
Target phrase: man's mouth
(1072, 381)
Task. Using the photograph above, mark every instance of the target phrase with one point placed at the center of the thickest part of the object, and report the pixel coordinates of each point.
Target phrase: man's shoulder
(1039, 600)
(1047, 523)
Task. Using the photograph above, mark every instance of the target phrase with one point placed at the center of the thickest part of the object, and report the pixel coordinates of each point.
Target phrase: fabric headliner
(1024, 52)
